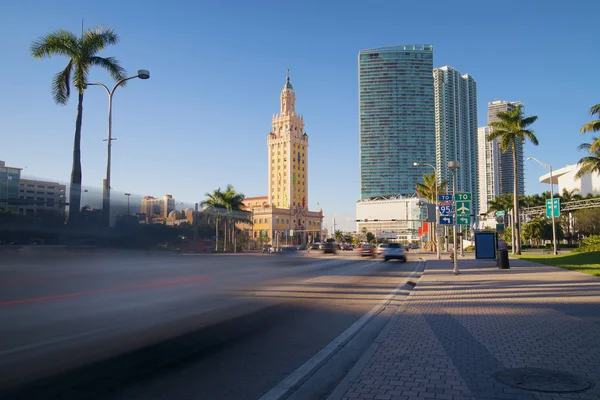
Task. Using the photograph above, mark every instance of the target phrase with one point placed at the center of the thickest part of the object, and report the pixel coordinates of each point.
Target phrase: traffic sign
(463, 207)
(445, 210)
(556, 208)
(446, 220)
(445, 203)
(463, 220)
(444, 197)
(462, 196)
(500, 213)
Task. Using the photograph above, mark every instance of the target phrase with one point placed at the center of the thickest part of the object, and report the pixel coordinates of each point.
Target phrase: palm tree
(593, 126)
(427, 191)
(565, 197)
(339, 235)
(511, 129)
(591, 162)
(230, 203)
(82, 56)
(215, 200)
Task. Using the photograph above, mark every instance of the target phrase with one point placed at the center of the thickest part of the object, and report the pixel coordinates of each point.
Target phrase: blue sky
(217, 69)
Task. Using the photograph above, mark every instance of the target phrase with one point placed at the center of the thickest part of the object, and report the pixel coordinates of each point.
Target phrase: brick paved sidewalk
(455, 332)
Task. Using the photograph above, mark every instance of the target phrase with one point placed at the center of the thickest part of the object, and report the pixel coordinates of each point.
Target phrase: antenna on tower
(287, 73)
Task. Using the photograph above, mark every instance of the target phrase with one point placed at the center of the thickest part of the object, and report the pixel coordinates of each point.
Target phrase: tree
(592, 126)
(338, 235)
(510, 130)
(587, 221)
(591, 162)
(82, 56)
(535, 229)
(227, 205)
(567, 218)
(427, 191)
(370, 237)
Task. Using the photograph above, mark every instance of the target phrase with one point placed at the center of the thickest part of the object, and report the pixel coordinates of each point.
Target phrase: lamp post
(453, 166)
(549, 168)
(142, 74)
(437, 245)
(128, 196)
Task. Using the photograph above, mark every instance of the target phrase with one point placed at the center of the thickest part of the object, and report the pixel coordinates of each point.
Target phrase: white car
(381, 248)
(394, 251)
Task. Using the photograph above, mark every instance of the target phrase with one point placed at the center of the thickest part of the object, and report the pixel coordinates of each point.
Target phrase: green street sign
(500, 213)
(556, 208)
(463, 208)
(463, 220)
(463, 197)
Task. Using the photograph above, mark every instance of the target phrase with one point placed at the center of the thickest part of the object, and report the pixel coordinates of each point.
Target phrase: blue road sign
(445, 210)
(444, 197)
(446, 220)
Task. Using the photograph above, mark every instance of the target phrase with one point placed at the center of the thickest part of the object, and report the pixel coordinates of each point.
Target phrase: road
(131, 325)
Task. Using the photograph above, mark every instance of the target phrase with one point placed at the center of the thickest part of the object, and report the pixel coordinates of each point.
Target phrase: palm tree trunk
(75, 187)
(225, 235)
(217, 234)
(516, 222)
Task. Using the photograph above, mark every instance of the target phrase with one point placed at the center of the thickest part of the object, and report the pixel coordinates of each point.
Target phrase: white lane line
(316, 279)
(371, 264)
(285, 386)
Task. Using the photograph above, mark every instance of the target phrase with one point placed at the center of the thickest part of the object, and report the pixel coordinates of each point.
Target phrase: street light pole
(549, 167)
(437, 211)
(128, 196)
(142, 74)
(454, 165)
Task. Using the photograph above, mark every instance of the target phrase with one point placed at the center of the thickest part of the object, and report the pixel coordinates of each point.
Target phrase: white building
(456, 128)
(157, 208)
(488, 166)
(564, 178)
(36, 196)
(391, 217)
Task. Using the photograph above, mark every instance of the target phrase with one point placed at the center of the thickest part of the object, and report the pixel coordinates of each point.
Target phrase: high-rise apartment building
(488, 164)
(396, 117)
(505, 165)
(9, 187)
(456, 129)
(157, 208)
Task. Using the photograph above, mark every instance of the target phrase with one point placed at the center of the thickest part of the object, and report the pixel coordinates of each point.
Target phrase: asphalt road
(130, 325)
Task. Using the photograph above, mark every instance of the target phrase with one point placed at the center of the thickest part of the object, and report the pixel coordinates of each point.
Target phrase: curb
(345, 384)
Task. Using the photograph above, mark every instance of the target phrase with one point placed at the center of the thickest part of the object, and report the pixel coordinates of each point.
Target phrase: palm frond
(96, 39)
(531, 136)
(595, 110)
(61, 84)
(525, 122)
(589, 164)
(584, 146)
(592, 126)
(59, 42)
(111, 65)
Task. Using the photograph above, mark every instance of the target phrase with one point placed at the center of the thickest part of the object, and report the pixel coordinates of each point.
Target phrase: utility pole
(194, 217)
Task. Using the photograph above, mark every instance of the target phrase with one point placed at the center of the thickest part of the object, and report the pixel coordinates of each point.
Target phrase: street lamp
(437, 245)
(549, 167)
(128, 196)
(453, 166)
(142, 74)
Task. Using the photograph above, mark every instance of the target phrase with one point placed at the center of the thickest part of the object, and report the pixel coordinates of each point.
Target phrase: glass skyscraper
(396, 118)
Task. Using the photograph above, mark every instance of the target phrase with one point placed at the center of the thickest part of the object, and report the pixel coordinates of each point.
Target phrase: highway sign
(463, 207)
(462, 197)
(556, 208)
(445, 210)
(444, 197)
(463, 220)
(500, 213)
(445, 203)
(446, 220)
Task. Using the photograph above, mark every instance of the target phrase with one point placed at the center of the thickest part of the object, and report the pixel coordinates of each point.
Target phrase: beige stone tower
(288, 162)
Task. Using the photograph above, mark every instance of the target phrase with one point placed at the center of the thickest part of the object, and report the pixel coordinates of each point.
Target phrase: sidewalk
(455, 335)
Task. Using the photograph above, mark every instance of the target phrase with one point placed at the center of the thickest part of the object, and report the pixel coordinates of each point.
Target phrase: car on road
(314, 246)
(394, 251)
(366, 250)
(381, 248)
(347, 246)
(330, 247)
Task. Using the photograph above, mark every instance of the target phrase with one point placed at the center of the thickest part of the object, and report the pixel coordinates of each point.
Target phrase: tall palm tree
(591, 162)
(82, 56)
(215, 200)
(510, 130)
(427, 191)
(567, 218)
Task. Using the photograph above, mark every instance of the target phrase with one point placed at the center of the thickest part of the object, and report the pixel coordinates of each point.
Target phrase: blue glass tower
(396, 118)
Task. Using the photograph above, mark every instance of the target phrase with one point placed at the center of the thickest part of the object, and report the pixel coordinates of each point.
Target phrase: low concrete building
(37, 196)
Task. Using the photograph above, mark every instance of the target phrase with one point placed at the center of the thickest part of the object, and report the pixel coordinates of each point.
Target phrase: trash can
(503, 259)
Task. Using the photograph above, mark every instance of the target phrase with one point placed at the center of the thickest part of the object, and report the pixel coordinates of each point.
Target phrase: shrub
(470, 248)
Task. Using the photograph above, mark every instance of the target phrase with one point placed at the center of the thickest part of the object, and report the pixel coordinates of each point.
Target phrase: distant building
(396, 118)
(9, 187)
(488, 164)
(157, 208)
(396, 218)
(564, 178)
(456, 129)
(37, 196)
(505, 163)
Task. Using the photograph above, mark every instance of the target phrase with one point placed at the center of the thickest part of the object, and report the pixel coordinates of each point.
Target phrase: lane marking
(370, 264)
(119, 289)
(289, 383)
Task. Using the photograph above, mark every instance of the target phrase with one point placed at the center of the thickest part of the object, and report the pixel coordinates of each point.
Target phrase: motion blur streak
(60, 296)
